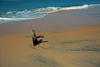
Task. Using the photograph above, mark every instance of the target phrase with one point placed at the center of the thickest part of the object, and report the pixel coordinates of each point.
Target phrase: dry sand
(71, 47)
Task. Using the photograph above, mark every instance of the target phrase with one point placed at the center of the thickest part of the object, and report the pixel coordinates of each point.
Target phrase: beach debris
(34, 38)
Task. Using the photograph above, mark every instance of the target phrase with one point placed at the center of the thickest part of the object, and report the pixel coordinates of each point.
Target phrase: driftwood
(34, 38)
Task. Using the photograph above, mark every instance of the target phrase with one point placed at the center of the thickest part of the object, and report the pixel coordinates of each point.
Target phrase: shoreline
(53, 21)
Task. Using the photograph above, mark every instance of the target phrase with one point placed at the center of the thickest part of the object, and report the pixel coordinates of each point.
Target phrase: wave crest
(36, 13)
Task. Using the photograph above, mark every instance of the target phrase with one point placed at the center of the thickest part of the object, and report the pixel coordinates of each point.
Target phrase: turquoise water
(21, 10)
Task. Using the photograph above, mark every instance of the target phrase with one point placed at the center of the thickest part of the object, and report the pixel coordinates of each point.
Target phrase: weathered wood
(40, 36)
(34, 38)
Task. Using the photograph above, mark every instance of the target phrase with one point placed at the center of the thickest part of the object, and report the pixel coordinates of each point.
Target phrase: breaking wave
(36, 13)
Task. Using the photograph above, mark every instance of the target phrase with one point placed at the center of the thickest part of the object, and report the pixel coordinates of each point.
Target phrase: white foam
(76, 7)
(36, 13)
(2, 20)
(94, 5)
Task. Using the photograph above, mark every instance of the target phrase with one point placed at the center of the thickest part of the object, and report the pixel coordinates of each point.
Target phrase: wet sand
(54, 21)
(73, 41)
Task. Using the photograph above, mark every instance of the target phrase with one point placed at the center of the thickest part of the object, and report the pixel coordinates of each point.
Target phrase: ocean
(15, 10)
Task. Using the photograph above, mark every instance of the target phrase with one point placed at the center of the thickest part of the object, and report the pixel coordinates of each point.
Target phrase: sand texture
(71, 47)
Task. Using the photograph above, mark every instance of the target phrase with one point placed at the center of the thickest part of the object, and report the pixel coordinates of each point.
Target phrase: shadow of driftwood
(35, 38)
(41, 41)
(36, 41)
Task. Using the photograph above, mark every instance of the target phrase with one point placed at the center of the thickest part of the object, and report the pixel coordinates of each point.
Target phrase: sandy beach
(73, 41)
(73, 47)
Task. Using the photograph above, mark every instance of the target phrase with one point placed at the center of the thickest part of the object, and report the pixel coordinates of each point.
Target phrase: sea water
(14, 10)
